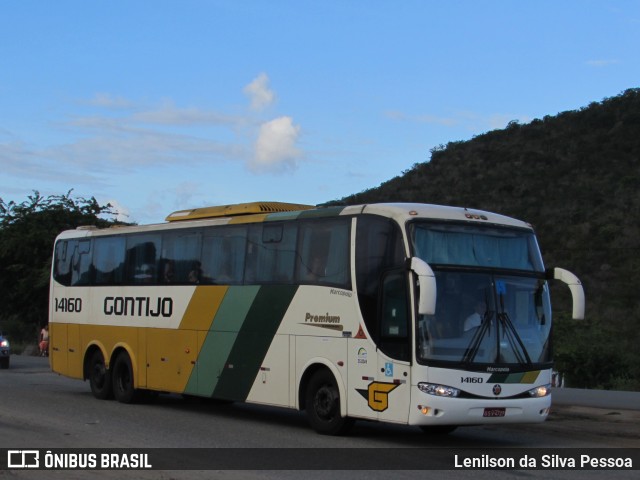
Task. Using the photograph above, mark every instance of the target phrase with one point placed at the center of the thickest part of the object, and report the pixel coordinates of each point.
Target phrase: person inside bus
(314, 270)
(168, 275)
(475, 319)
(195, 275)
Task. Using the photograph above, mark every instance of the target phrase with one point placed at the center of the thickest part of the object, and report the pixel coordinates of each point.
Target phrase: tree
(27, 234)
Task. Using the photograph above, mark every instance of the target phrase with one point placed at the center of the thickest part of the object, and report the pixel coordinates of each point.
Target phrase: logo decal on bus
(138, 306)
(377, 395)
(326, 320)
(362, 356)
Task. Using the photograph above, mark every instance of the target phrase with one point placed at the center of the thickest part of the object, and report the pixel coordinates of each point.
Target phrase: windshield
(484, 318)
(492, 305)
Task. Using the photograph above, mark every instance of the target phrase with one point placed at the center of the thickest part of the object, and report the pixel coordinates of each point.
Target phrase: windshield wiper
(476, 340)
(511, 334)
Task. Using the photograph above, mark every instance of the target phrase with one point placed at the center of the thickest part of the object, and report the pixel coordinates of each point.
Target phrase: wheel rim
(325, 402)
(124, 378)
(98, 375)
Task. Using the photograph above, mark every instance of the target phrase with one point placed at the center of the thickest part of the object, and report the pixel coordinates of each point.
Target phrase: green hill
(576, 178)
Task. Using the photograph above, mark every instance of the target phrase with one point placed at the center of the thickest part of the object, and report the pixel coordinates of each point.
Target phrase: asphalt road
(40, 409)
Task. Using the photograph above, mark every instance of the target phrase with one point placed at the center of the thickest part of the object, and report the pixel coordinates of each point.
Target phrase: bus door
(390, 393)
(379, 376)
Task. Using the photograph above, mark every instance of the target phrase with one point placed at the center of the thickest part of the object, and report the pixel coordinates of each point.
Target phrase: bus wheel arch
(96, 371)
(321, 395)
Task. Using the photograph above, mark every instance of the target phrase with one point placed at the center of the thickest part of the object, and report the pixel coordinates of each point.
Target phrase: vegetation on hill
(575, 177)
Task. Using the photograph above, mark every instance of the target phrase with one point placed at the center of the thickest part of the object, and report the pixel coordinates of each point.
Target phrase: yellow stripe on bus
(203, 307)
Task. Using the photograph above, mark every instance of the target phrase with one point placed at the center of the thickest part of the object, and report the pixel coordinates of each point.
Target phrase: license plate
(494, 412)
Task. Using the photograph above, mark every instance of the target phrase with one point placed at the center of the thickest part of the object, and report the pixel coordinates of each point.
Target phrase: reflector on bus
(237, 209)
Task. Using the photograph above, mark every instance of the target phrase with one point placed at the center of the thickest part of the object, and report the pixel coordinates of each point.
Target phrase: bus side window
(142, 259)
(62, 270)
(108, 260)
(323, 253)
(81, 263)
(394, 316)
(223, 254)
(271, 254)
(180, 251)
(379, 249)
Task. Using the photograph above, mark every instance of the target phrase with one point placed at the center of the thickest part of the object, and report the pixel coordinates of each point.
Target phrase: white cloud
(107, 100)
(601, 63)
(276, 145)
(259, 93)
(152, 136)
(169, 114)
(121, 213)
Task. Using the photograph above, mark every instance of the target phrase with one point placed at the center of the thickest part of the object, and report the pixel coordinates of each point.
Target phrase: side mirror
(574, 284)
(428, 289)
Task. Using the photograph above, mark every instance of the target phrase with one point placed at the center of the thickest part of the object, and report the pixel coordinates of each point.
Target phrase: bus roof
(403, 212)
(275, 211)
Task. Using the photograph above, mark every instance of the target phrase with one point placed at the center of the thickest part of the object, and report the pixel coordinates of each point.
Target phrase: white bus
(406, 313)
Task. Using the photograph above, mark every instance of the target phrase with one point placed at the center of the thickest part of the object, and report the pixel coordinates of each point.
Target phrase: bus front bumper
(433, 410)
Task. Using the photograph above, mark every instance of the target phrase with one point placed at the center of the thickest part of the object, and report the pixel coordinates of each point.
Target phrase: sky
(156, 106)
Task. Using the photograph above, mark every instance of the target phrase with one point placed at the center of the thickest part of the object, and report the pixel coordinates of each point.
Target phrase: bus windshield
(493, 303)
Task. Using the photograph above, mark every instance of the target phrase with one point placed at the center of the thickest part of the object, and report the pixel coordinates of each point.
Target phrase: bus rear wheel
(122, 376)
(323, 405)
(99, 377)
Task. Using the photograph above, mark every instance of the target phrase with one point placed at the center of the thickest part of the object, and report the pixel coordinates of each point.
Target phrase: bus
(413, 314)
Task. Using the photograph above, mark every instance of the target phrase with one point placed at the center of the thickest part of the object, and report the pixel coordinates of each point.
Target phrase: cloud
(601, 63)
(275, 148)
(259, 93)
(169, 114)
(121, 136)
(121, 213)
(107, 100)
(151, 136)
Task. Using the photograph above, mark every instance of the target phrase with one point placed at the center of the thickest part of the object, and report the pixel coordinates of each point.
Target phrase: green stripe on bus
(253, 341)
(525, 377)
(322, 212)
(281, 216)
(221, 337)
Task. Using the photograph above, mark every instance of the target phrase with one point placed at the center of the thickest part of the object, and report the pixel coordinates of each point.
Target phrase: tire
(4, 363)
(99, 377)
(122, 380)
(323, 405)
(438, 429)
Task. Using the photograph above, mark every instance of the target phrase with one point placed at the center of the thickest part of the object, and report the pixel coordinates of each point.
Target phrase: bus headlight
(438, 390)
(541, 391)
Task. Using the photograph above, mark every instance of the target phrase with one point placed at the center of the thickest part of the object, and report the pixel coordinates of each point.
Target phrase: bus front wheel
(99, 377)
(323, 405)
(122, 376)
